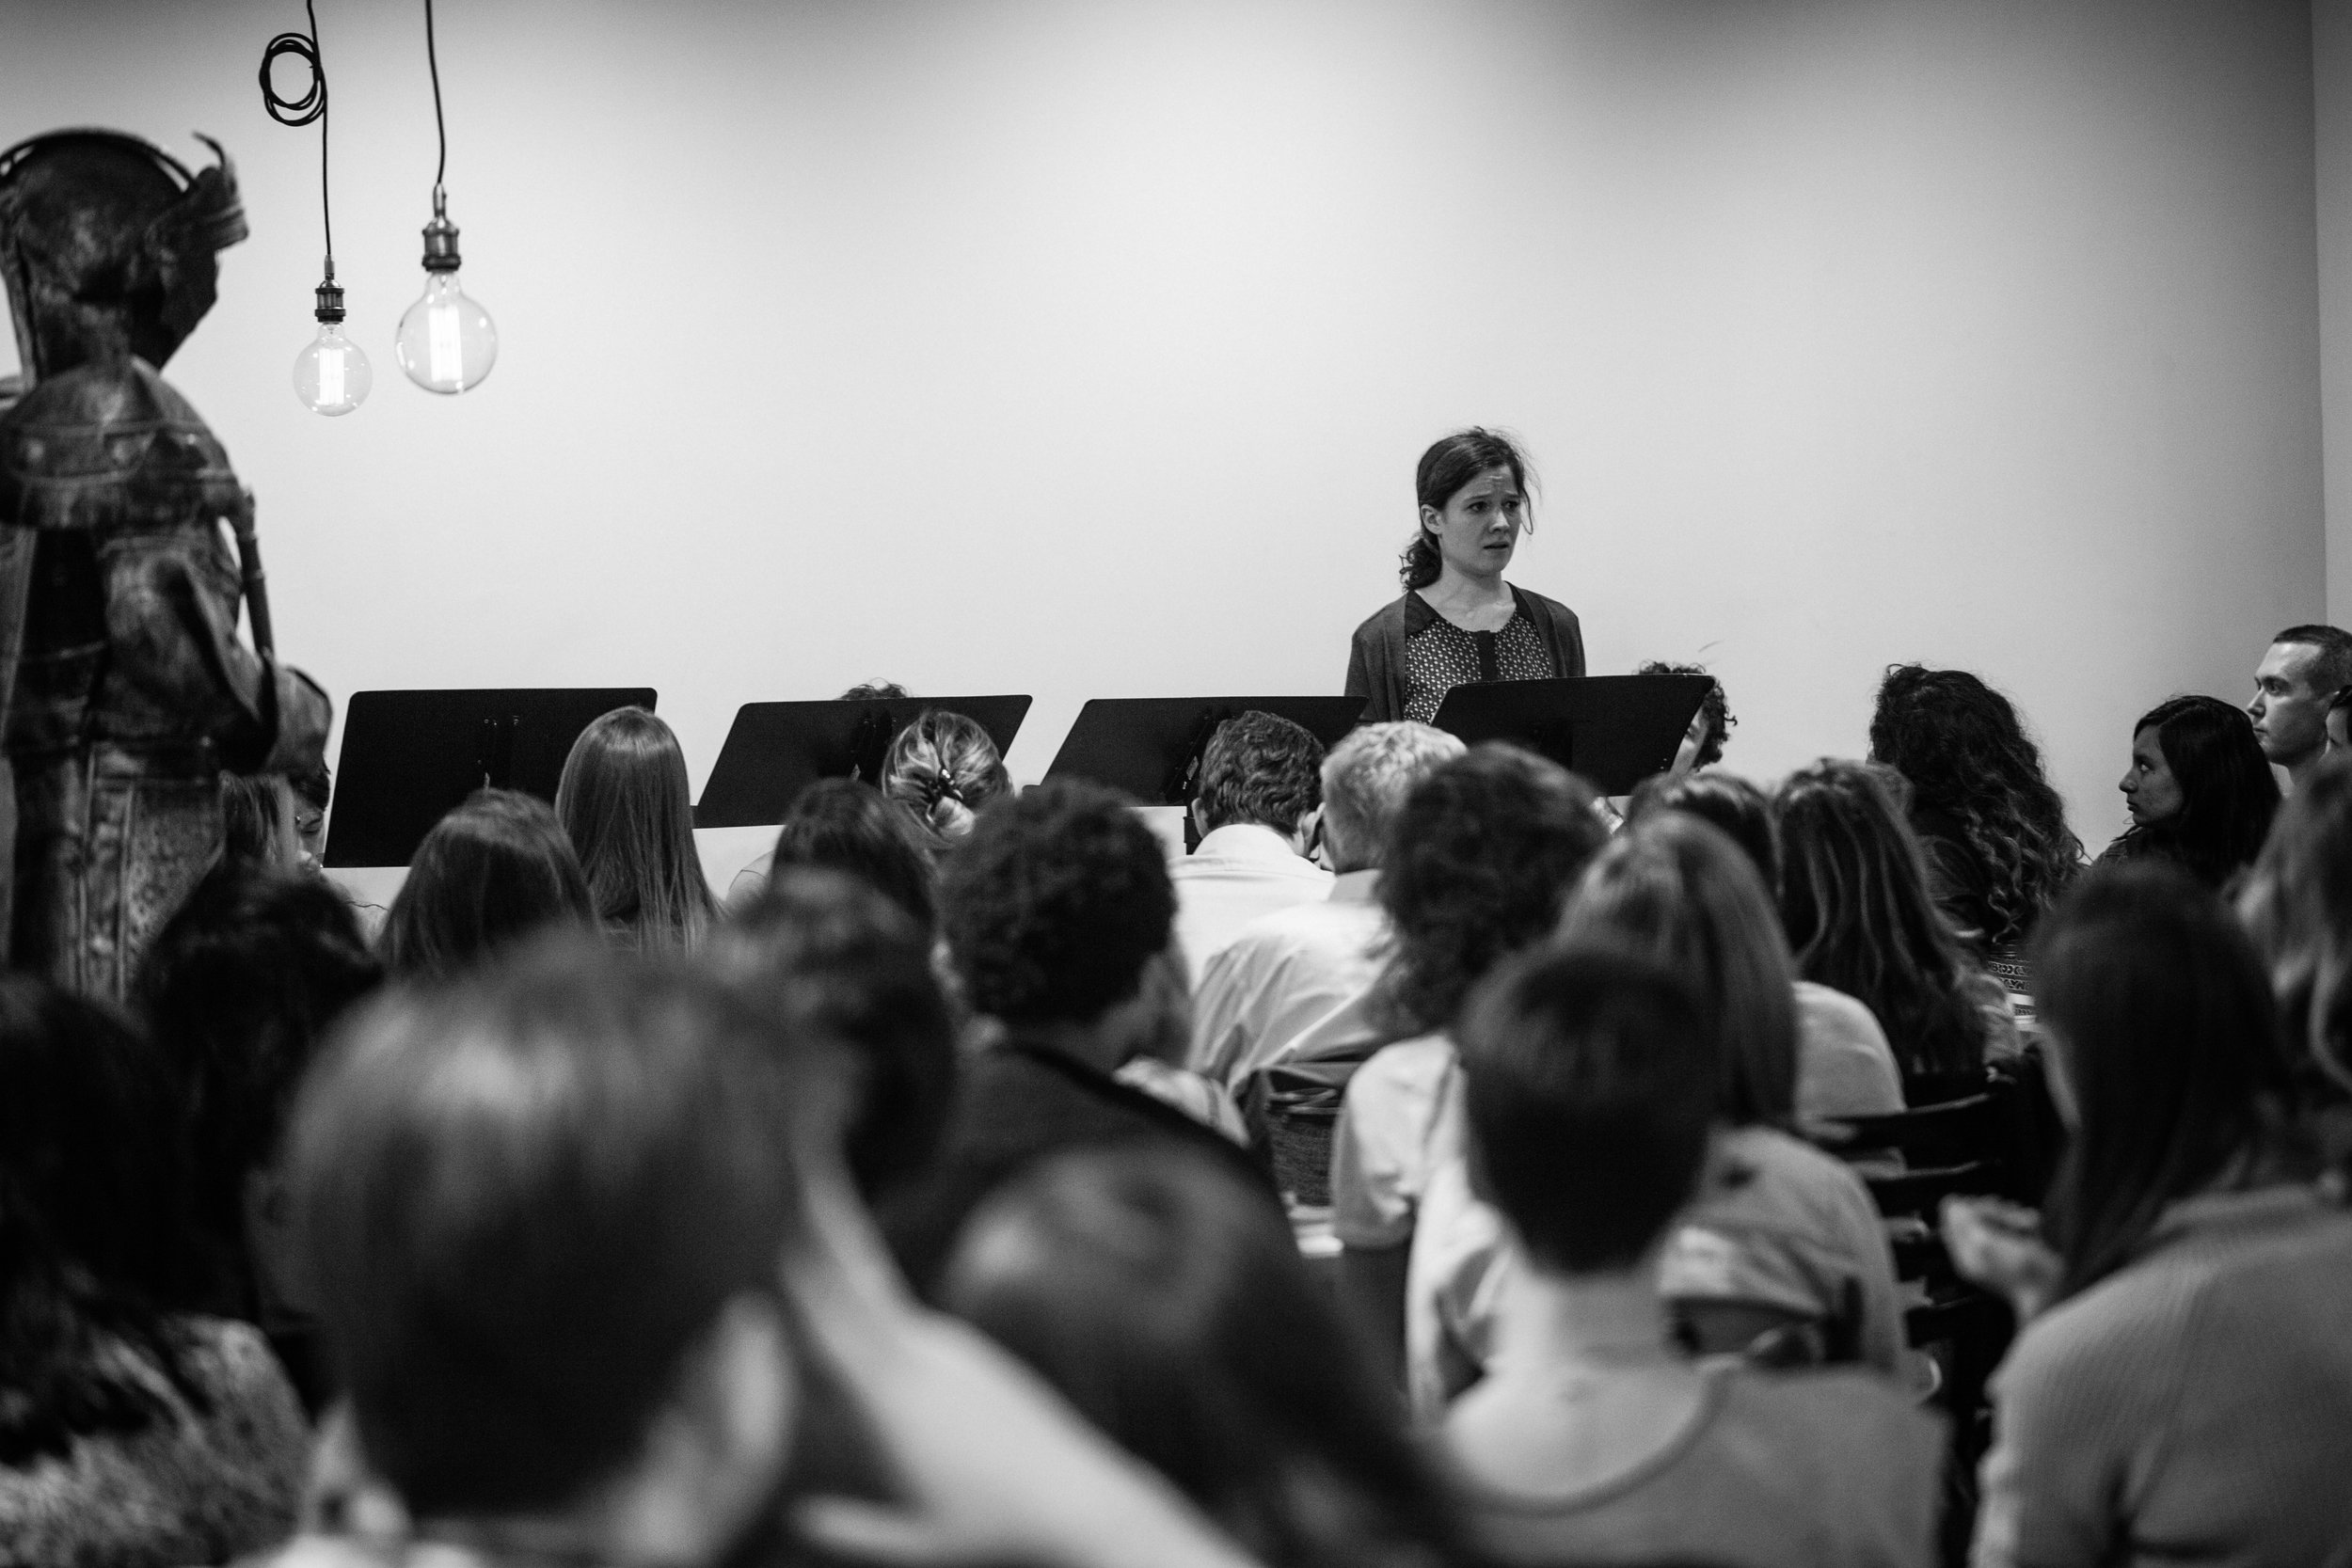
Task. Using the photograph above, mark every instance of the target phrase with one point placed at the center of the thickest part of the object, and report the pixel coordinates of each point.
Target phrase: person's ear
(1431, 520)
(1307, 838)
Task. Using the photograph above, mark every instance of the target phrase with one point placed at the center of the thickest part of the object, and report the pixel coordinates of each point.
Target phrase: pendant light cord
(310, 105)
(433, 64)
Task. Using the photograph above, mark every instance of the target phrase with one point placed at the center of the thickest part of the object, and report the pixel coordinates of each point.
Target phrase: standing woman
(625, 805)
(1458, 622)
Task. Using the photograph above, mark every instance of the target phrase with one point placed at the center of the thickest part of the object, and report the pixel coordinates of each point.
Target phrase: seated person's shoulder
(1844, 1420)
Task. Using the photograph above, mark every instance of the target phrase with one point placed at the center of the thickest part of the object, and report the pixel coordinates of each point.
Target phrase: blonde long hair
(623, 803)
(943, 768)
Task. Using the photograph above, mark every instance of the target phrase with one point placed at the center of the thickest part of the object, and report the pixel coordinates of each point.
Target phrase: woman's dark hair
(1721, 721)
(1731, 803)
(851, 827)
(2228, 793)
(1960, 746)
(1854, 902)
(1676, 892)
(2297, 904)
(1445, 467)
(2165, 1032)
(1590, 1087)
(239, 990)
(91, 1232)
(830, 956)
(625, 804)
(1168, 1302)
(494, 871)
(943, 768)
(1479, 859)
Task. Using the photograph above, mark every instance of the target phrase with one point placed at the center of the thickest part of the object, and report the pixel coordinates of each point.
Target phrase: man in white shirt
(1294, 982)
(1256, 809)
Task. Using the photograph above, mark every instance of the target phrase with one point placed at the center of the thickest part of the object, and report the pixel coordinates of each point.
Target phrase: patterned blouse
(1442, 655)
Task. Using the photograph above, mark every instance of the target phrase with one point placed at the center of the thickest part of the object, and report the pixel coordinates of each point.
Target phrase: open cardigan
(1377, 665)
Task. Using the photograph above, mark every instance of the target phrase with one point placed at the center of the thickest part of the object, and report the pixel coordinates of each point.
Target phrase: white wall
(2331, 83)
(1086, 349)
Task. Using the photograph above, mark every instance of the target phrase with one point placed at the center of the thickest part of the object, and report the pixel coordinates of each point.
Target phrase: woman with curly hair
(1998, 850)
(1457, 621)
(2199, 791)
(1481, 856)
(943, 768)
(1854, 901)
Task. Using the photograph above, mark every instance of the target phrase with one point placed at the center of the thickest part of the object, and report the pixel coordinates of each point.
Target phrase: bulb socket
(440, 246)
(330, 302)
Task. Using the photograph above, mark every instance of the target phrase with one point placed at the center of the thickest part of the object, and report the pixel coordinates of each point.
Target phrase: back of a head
(1729, 802)
(519, 1201)
(2297, 907)
(1855, 905)
(1365, 780)
(239, 990)
(1959, 745)
(1480, 859)
(2229, 795)
(625, 804)
(2167, 1038)
(842, 825)
(1259, 768)
(943, 768)
(2333, 644)
(493, 872)
(833, 959)
(1168, 1302)
(1678, 892)
(1055, 905)
(1589, 1086)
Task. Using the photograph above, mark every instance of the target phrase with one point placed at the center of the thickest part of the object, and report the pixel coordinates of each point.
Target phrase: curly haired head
(1451, 462)
(1720, 721)
(1480, 859)
(1055, 904)
(944, 768)
(1960, 746)
(1854, 901)
(1260, 768)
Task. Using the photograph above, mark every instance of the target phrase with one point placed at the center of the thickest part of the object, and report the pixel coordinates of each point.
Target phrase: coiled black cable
(302, 111)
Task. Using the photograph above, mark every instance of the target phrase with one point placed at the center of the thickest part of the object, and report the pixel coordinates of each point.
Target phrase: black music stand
(408, 756)
(1614, 730)
(776, 750)
(1149, 747)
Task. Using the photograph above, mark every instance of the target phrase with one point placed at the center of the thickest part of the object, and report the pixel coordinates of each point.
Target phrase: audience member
(1997, 846)
(834, 959)
(493, 872)
(1854, 902)
(1481, 855)
(257, 823)
(2199, 790)
(1058, 918)
(943, 767)
(239, 990)
(625, 804)
(1295, 982)
(1590, 1087)
(1845, 1067)
(1780, 1239)
(314, 792)
(1258, 794)
(2182, 1388)
(2339, 724)
(875, 692)
(1702, 743)
(2296, 905)
(1168, 1303)
(130, 1435)
(843, 825)
(2304, 667)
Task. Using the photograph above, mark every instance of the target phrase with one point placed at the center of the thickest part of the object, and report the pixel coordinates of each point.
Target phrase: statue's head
(108, 244)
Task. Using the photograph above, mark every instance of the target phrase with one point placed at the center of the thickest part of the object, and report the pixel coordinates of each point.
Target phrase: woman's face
(1480, 526)
(2150, 793)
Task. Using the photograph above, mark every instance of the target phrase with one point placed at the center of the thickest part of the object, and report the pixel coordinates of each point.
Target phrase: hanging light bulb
(331, 376)
(447, 343)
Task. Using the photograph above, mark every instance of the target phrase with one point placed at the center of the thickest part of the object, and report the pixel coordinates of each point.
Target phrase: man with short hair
(1294, 982)
(1259, 795)
(1589, 1093)
(1058, 916)
(2305, 666)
